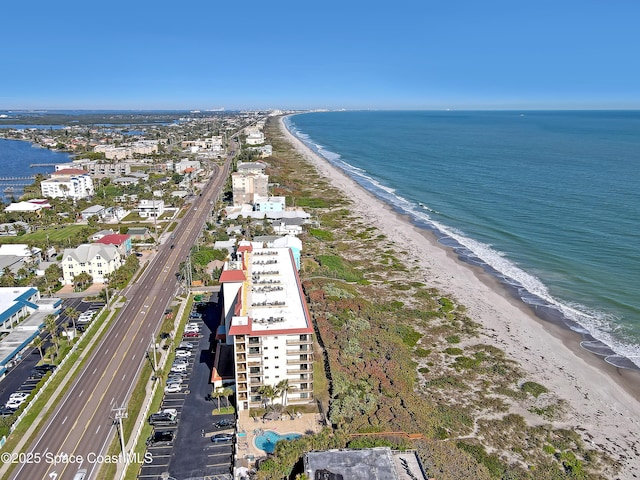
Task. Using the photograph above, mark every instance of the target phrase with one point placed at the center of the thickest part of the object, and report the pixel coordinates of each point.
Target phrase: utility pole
(119, 414)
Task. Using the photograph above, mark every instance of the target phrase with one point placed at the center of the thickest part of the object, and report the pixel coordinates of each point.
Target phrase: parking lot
(22, 377)
(192, 453)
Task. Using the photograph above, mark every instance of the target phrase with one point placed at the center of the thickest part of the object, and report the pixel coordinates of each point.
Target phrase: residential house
(96, 259)
(121, 241)
(138, 233)
(150, 208)
(93, 211)
(28, 206)
(269, 204)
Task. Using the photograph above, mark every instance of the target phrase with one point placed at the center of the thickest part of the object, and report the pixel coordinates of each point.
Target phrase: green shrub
(453, 351)
(453, 339)
(533, 388)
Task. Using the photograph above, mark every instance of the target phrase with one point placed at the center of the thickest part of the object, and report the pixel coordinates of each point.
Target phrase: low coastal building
(150, 208)
(121, 241)
(22, 314)
(96, 259)
(97, 211)
(266, 320)
(364, 464)
(28, 206)
(139, 233)
(269, 204)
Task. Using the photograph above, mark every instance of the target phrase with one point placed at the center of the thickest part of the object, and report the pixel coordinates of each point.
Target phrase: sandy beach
(602, 401)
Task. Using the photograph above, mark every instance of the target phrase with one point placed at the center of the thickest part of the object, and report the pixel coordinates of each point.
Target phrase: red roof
(245, 248)
(232, 276)
(114, 239)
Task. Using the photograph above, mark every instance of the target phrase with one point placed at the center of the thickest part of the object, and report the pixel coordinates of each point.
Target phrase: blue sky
(201, 54)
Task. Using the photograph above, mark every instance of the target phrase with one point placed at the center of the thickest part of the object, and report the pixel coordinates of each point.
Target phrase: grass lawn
(56, 235)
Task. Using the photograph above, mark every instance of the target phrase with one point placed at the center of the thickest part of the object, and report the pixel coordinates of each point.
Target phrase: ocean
(15, 158)
(547, 201)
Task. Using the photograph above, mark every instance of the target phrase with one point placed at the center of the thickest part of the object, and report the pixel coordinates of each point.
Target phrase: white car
(16, 402)
(186, 345)
(18, 395)
(173, 388)
(179, 368)
(183, 353)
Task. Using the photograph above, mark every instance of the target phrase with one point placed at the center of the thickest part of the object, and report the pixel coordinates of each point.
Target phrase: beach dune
(602, 400)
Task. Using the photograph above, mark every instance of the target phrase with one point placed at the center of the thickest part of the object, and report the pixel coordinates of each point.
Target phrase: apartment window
(266, 368)
(97, 257)
(82, 264)
(265, 348)
(276, 357)
(100, 264)
(99, 272)
(276, 348)
(277, 366)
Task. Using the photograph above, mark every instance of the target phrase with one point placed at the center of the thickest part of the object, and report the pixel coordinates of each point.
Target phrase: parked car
(15, 403)
(224, 423)
(173, 388)
(186, 345)
(166, 416)
(178, 368)
(191, 334)
(45, 367)
(161, 437)
(183, 353)
(222, 437)
(6, 411)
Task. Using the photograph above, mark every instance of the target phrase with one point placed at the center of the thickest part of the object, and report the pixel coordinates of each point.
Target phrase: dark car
(45, 367)
(161, 437)
(222, 437)
(163, 417)
(7, 411)
(224, 423)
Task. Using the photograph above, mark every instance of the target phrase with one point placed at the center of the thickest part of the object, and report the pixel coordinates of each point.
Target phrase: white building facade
(96, 259)
(151, 208)
(267, 321)
(68, 183)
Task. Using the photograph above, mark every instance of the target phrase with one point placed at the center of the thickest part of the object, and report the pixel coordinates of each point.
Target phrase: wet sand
(603, 401)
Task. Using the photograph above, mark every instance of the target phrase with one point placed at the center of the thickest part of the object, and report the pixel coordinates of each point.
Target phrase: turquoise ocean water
(549, 202)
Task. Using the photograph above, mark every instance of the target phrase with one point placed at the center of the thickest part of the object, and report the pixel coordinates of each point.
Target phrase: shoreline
(602, 399)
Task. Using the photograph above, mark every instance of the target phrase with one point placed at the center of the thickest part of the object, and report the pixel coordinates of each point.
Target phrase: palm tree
(269, 392)
(37, 342)
(226, 393)
(72, 314)
(283, 388)
(52, 327)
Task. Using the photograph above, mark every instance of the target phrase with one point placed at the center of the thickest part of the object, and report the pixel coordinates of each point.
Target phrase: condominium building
(68, 183)
(151, 208)
(246, 187)
(267, 321)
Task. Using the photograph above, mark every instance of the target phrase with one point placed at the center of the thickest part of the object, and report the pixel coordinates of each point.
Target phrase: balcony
(254, 352)
(242, 377)
(242, 387)
(240, 348)
(241, 357)
(298, 351)
(256, 381)
(300, 361)
(255, 364)
(242, 396)
(308, 341)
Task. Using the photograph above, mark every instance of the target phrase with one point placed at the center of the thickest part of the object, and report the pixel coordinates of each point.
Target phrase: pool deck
(249, 428)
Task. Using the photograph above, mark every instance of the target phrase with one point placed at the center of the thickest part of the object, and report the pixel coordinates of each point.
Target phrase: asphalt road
(81, 427)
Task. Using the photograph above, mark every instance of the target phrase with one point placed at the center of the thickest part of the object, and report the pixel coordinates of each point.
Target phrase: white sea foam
(531, 289)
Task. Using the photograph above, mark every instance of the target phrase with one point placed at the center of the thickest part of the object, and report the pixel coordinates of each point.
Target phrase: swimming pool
(267, 440)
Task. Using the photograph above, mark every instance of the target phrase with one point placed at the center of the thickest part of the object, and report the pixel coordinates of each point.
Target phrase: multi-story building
(108, 169)
(246, 187)
(267, 322)
(96, 259)
(68, 183)
(151, 208)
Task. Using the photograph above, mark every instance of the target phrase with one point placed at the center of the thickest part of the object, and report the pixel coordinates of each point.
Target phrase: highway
(81, 425)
